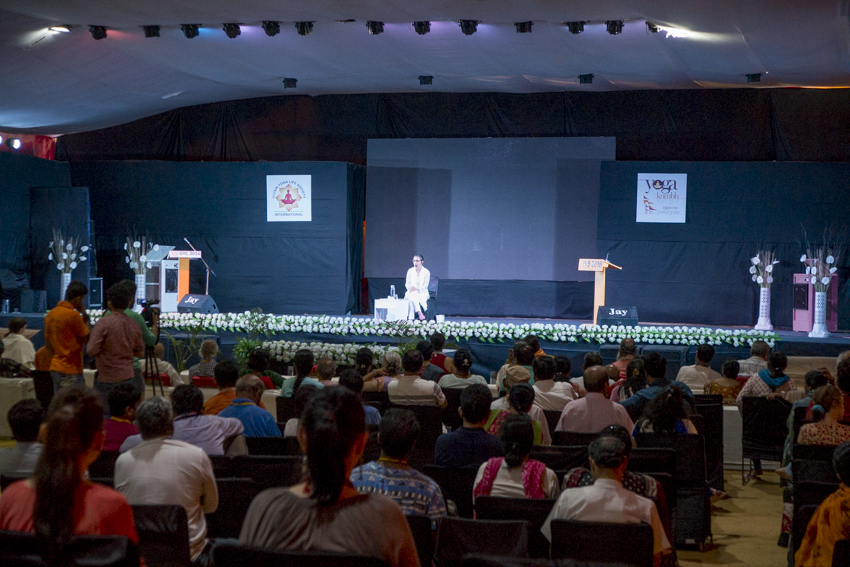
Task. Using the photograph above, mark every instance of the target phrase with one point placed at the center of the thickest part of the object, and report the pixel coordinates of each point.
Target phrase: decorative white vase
(63, 285)
(140, 292)
(763, 323)
(819, 328)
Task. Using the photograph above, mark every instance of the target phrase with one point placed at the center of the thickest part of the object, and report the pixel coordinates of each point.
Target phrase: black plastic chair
(222, 466)
(653, 460)
(163, 535)
(841, 552)
(451, 417)
(235, 555)
(458, 537)
(8, 478)
(559, 457)
(573, 438)
(431, 426)
(423, 536)
(285, 409)
(234, 498)
(43, 384)
(552, 418)
(690, 454)
(807, 497)
(273, 446)
(597, 541)
(532, 510)
(104, 465)
(456, 483)
(710, 407)
(19, 549)
(380, 397)
(813, 463)
(763, 431)
(268, 471)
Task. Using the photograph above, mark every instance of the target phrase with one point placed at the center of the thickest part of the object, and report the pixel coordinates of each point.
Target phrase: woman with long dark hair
(326, 513)
(59, 503)
(634, 382)
(461, 378)
(667, 413)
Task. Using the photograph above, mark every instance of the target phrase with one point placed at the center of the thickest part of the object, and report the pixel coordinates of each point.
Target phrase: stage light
(271, 28)
(754, 78)
(59, 29)
(290, 83)
(98, 32)
(652, 28)
(422, 27)
(190, 30)
(523, 27)
(375, 27)
(232, 30)
(304, 28)
(151, 31)
(468, 27)
(575, 27)
(426, 79)
(614, 27)
(585, 79)
(14, 143)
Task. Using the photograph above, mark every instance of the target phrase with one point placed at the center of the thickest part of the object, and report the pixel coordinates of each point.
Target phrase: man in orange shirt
(66, 330)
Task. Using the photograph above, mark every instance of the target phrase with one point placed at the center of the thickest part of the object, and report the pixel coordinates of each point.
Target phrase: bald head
(595, 379)
(325, 369)
(627, 348)
(250, 387)
(158, 350)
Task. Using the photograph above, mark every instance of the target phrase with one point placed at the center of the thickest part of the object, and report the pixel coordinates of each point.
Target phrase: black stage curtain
(692, 125)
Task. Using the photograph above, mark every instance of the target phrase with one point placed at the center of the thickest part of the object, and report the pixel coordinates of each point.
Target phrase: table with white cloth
(390, 309)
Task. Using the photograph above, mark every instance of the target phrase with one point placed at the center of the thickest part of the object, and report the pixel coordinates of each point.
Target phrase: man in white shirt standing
(17, 346)
(416, 282)
(606, 500)
(700, 374)
(548, 394)
(594, 412)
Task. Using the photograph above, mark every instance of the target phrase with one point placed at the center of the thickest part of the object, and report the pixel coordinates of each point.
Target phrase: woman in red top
(58, 503)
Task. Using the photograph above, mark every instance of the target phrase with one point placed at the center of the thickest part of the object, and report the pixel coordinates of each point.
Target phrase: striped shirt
(414, 391)
(414, 492)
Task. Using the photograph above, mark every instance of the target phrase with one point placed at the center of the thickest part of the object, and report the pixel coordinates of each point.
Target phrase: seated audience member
(667, 413)
(830, 522)
(438, 342)
(258, 364)
(606, 500)
(521, 400)
(325, 371)
(757, 361)
(563, 366)
(625, 353)
(25, 419)
(771, 380)
(461, 378)
(59, 502)
(226, 375)
(244, 407)
(635, 380)
(548, 394)
(534, 342)
(301, 398)
(363, 361)
(123, 400)
(326, 513)
(813, 380)
(700, 374)
(518, 374)
(656, 379)
(728, 384)
(827, 411)
(302, 363)
(377, 380)
(162, 470)
(469, 445)
(162, 366)
(521, 355)
(516, 475)
(410, 389)
(206, 367)
(594, 412)
(391, 476)
(590, 359)
(9, 368)
(430, 372)
(352, 380)
(17, 346)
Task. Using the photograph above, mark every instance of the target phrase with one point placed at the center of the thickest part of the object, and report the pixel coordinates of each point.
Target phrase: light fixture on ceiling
(422, 27)
(271, 27)
(651, 28)
(59, 29)
(98, 32)
(754, 77)
(232, 30)
(14, 143)
(468, 27)
(304, 28)
(523, 27)
(190, 30)
(426, 79)
(290, 83)
(375, 27)
(585, 79)
(575, 27)
(614, 27)
(151, 31)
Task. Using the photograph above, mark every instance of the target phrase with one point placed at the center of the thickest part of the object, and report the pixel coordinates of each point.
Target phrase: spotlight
(304, 28)
(271, 28)
(652, 28)
(98, 32)
(426, 79)
(59, 29)
(290, 83)
(468, 27)
(232, 30)
(151, 31)
(422, 27)
(14, 143)
(190, 30)
(523, 27)
(754, 78)
(585, 79)
(375, 27)
(614, 27)
(575, 27)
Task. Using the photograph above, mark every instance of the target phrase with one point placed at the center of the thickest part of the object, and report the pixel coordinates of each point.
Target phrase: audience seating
(163, 535)
(799, 420)
(813, 463)
(456, 484)
(380, 397)
(653, 459)
(764, 429)
(457, 537)
(807, 497)
(204, 382)
(268, 471)
(533, 511)
(451, 417)
(423, 536)
(104, 465)
(43, 384)
(273, 446)
(596, 541)
(285, 409)
(841, 553)
(561, 458)
(710, 407)
(552, 418)
(222, 466)
(573, 438)
(228, 554)
(19, 549)
(234, 498)
(8, 478)
(431, 423)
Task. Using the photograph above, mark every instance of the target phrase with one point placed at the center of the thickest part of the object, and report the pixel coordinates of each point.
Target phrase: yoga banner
(662, 197)
(288, 198)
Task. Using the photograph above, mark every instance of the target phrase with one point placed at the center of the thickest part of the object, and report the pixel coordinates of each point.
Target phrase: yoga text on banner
(662, 197)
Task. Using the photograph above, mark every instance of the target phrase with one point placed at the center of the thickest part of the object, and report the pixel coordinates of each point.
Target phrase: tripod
(151, 362)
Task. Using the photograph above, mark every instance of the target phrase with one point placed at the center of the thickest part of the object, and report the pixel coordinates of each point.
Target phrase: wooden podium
(598, 266)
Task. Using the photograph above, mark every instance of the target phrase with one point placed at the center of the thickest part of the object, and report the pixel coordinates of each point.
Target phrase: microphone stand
(207, 291)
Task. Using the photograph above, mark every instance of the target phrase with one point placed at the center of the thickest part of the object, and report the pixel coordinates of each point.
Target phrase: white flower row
(284, 351)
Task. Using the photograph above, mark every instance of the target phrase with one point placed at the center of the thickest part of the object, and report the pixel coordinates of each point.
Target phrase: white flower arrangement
(821, 261)
(761, 270)
(137, 253)
(284, 351)
(66, 253)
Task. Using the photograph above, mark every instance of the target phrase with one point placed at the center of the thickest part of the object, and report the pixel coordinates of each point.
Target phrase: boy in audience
(25, 420)
(470, 445)
(123, 400)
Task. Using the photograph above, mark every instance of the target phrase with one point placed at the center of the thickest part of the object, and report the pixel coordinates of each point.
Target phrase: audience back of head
(620, 433)
(16, 324)
(595, 379)
(119, 297)
(544, 368)
(258, 360)
(325, 369)
(392, 362)
(250, 387)
(607, 452)
(154, 418)
(705, 353)
(524, 353)
(777, 362)
(364, 360)
(533, 342)
(521, 397)
(475, 403)
(398, 433)
(208, 350)
(627, 348)
(226, 374)
(665, 410)
(563, 366)
(351, 379)
(730, 368)
(824, 399)
(592, 359)
(25, 419)
(426, 349)
(412, 361)
(302, 362)
(463, 360)
(186, 399)
(122, 397)
(75, 289)
(438, 341)
(815, 379)
(760, 349)
(655, 365)
(842, 375)
(517, 439)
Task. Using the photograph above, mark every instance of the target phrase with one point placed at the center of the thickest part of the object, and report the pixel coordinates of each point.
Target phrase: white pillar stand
(66, 280)
(763, 323)
(819, 328)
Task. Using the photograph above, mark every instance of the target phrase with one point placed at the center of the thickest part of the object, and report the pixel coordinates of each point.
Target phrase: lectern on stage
(598, 266)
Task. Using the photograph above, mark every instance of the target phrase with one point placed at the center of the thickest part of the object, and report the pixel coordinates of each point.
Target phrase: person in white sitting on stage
(418, 278)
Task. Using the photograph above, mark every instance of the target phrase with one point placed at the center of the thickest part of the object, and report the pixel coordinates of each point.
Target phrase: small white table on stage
(389, 309)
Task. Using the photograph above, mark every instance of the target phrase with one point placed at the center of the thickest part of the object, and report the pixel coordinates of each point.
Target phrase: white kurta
(420, 281)
(20, 349)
